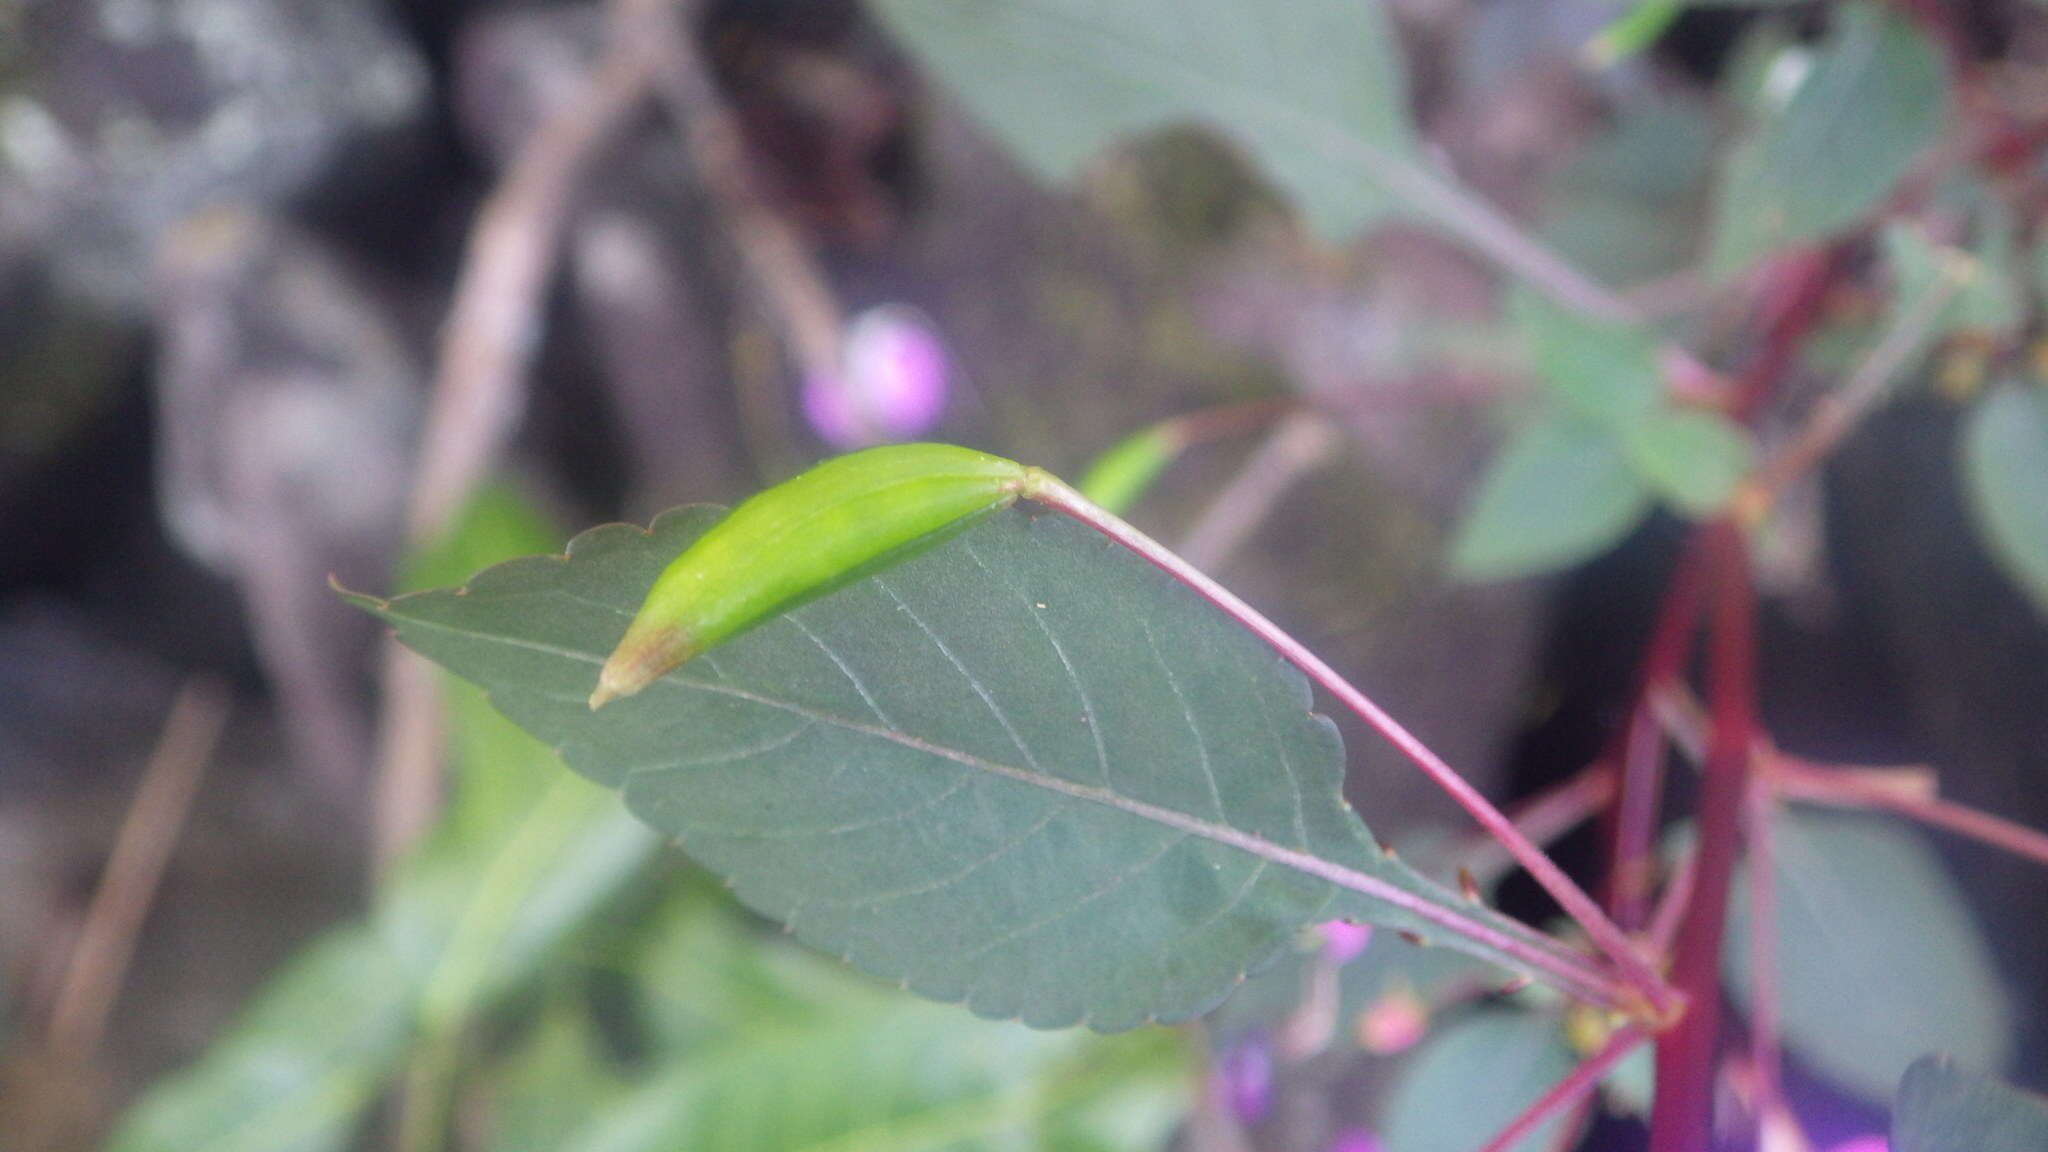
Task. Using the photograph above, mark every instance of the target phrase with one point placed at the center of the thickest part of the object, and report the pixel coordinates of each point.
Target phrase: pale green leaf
(1692, 457)
(2005, 478)
(1120, 477)
(556, 1080)
(1024, 770)
(1879, 961)
(911, 1078)
(1560, 492)
(1607, 374)
(1986, 302)
(1942, 1108)
(1312, 88)
(472, 916)
(1841, 125)
(1627, 208)
(294, 1072)
(1474, 1075)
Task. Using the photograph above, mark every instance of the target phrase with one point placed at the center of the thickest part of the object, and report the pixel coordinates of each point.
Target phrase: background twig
(479, 380)
(142, 847)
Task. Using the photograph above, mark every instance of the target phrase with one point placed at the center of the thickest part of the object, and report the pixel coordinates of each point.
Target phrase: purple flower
(1356, 1140)
(891, 385)
(1343, 940)
(1870, 1142)
(1243, 1079)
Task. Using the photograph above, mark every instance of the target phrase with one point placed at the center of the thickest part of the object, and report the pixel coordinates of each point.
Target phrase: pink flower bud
(1343, 940)
(891, 385)
(1243, 1079)
(1393, 1023)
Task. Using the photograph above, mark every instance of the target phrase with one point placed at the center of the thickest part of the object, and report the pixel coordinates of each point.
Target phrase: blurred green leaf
(1471, 1077)
(553, 1084)
(1942, 1108)
(1879, 960)
(2005, 480)
(1059, 79)
(705, 975)
(473, 915)
(496, 524)
(1120, 477)
(1627, 208)
(1692, 457)
(1024, 769)
(910, 1077)
(295, 1070)
(1608, 374)
(1987, 303)
(1632, 32)
(1558, 493)
(1843, 122)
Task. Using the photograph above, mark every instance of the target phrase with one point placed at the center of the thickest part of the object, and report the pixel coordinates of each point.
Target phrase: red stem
(1814, 784)
(1682, 1114)
(1762, 939)
(1635, 971)
(1796, 289)
(1632, 820)
(1567, 1091)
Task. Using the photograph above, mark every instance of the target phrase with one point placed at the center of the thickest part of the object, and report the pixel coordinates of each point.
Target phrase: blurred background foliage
(391, 290)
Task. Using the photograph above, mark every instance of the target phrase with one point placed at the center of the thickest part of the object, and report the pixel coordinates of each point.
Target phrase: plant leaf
(1942, 1108)
(1474, 1075)
(2005, 476)
(1024, 769)
(1559, 492)
(1878, 959)
(1606, 374)
(1692, 457)
(912, 1078)
(501, 882)
(296, 1069)
(1627, 209)
(1856, 113)
(1308, 89)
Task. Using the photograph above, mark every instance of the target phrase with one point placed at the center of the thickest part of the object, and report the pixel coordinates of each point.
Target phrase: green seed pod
(800, 539)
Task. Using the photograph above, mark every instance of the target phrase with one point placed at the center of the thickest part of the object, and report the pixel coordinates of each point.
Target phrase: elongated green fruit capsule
(801, 538)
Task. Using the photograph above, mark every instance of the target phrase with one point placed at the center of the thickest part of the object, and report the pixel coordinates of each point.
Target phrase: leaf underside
(1024, 770)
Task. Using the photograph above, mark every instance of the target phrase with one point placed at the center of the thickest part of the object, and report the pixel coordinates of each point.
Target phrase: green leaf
(1988, 302)
(1558, 493)
(912, 1078)
(2005, 479)
(1307, 91)
(1843, 123)
(1122, 475)
(553, 1083)
(1605, 373)
(1634, 31)
(472, 916)
(1024, 770)
(295, 1071)
(1627, 208)
(1474, 1075)
(1693, 458)
(1942, 1108)
(1878, 958)
(706, 975)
